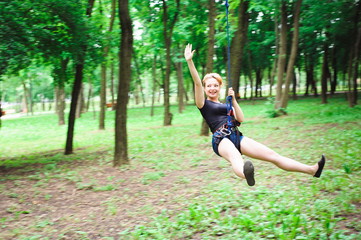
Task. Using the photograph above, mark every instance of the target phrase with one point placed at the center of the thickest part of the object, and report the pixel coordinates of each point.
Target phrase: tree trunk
(103, 95)
(210, 52)
(73, 106)
(25, 108)
(293, 55)
(139, 87)
(154, 78)
(180, 90)
(89, 97)
(167, 33)
(79, 67)
(80, 104)
(333, 79)
(250, 67)
(274, 67)
(103, 81)
(112, 83)
(60, 104)
(125, 59)
(324, 75)
(61, 79)
(238, 42)
(294, 85)
(355, 58)
(282, 55)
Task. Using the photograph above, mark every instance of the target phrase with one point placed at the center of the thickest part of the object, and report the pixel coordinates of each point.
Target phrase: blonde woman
(228, 142)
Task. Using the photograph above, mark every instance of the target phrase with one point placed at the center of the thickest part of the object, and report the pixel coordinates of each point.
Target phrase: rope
(228, 48)
(229, 98)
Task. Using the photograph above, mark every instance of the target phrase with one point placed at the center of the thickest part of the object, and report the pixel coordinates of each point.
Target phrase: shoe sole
(248, 171)
(321, 164)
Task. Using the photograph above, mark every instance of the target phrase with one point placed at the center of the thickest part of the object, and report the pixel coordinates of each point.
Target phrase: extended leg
(254, 149)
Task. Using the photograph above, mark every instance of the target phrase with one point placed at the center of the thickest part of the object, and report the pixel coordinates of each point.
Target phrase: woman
(229, 143)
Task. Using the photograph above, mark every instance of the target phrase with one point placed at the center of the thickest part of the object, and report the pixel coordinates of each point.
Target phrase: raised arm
(198, 88)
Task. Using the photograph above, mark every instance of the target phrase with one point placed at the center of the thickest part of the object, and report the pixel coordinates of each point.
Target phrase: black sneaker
(321, 164)
(248, 171)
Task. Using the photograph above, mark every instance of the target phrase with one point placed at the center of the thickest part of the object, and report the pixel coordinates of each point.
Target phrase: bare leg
(253, 149)
(228, 151)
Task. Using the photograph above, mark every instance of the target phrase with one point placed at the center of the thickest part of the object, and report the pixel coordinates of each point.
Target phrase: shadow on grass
(47, 161)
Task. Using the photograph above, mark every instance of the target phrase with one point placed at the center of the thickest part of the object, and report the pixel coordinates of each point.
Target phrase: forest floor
(182, 190)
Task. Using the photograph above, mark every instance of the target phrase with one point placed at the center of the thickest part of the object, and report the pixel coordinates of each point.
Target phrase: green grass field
(175, 186)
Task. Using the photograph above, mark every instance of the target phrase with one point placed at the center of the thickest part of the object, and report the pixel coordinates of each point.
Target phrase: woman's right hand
(188, 53)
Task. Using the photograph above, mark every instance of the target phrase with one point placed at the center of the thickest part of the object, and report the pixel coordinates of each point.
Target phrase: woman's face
(212, 88)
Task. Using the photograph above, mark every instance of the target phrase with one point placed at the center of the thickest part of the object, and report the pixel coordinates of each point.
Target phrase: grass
(281, 206)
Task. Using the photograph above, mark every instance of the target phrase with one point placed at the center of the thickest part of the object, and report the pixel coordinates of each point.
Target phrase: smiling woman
(227, 141)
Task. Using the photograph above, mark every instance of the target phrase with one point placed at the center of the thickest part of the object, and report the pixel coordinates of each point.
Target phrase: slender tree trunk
(60, 104)
(89, 97)
(180, 90)
(237, 45)
(210, 52)
(154, 78)
(294, 86)
(79, 106)
(103, 96)
(355, 58)
(258, 91)
(324, 75)
(250, 67)
(274, 68)
(103, 81)
(139, 87)
(333, 79)
(282, 55)
(293, 55)
(112, 84)
(79, 67)
(25, 101)
(73, 106)
(61, 77)
(168, 32)
(125, 57)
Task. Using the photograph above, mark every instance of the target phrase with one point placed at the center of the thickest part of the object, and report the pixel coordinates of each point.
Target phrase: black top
(214, 113)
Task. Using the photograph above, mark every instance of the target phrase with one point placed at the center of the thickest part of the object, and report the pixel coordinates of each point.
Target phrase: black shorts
(235, 137)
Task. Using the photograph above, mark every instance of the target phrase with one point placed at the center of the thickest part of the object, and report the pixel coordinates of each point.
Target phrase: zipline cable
(228, 48)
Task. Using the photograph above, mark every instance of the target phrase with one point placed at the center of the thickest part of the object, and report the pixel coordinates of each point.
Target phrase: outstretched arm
(198, 88)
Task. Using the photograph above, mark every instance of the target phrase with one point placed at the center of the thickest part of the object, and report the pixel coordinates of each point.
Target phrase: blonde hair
(212, 75)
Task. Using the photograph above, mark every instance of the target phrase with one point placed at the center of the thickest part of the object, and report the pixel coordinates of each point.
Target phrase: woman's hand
(231, 92)
(188, 53)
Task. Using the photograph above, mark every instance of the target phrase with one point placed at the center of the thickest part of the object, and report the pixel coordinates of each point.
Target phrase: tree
(237, 45)
(79, 68)
(282, 55)
(125, 58)
(293, 55)
(106, 49)
(210, 51)
(168, 26)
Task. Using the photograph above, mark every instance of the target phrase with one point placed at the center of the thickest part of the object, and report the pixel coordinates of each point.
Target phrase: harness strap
(229, 111)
